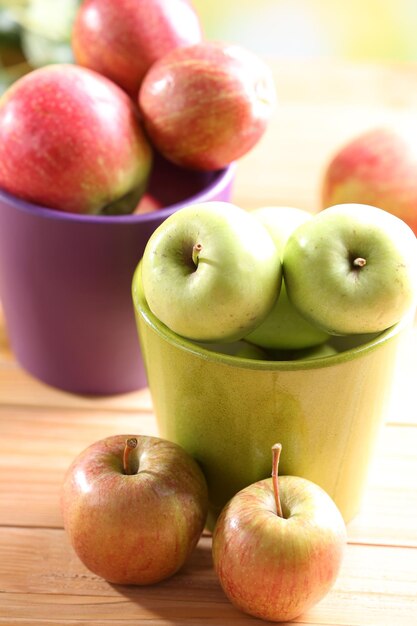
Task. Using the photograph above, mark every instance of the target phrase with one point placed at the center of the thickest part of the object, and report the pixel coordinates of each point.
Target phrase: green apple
(284, 327)
(281, 221)
(314, 352)
(278, 546)
(352, 269)
(211, 272)
(249, 351)
(241, 349)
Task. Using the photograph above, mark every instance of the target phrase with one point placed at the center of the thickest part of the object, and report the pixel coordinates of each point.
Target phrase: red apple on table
(70, 139)
(379, 168)
(134, 508)
(207, 105)
(278, 546)
(123, 38)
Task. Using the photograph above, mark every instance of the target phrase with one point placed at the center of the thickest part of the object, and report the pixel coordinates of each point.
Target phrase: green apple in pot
(321, 351)
(284, 328)
(241, 349)
(278, 546)
(211, 272)
(352, 269)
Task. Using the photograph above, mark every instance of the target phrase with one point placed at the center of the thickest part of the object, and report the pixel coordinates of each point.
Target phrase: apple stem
(197, 248)
(359, 262)
(130, 445)
(276, 453)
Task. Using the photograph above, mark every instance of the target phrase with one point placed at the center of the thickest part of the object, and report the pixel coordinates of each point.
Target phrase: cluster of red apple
(278, 277)
(80, 138)
(135, 508)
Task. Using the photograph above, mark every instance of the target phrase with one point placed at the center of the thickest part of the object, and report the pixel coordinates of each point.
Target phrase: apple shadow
(190, 597)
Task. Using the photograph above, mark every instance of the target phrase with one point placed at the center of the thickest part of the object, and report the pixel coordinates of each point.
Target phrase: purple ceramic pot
(65, 283)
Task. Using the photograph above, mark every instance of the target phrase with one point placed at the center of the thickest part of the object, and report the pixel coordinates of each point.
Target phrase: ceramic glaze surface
(228, 411)
(65, 283)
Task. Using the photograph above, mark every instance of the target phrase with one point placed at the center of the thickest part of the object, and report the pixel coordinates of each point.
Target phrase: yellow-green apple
(206, 105)
(352, 269)
(314, 352)
(249, 351)
(378, 167)
(121, 39)
(70, 139)
(134, 508)
(211, 272)
(278, 546)
(241, 349)
(284, 327)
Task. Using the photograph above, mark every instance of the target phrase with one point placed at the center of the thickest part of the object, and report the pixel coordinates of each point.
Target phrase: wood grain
(42, 568)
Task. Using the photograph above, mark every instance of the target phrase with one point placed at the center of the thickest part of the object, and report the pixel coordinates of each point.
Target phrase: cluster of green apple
(279, 277)
(135, 507)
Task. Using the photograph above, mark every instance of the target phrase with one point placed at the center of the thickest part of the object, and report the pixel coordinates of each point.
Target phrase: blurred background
(36, 32)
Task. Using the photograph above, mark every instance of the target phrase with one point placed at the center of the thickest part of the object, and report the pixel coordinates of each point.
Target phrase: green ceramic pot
(228, 411)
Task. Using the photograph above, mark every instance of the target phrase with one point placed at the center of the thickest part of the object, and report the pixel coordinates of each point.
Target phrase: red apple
(278, 546)
(70, 139)
(379, 168)
(134, 508)
(206, 105)
(123, 38)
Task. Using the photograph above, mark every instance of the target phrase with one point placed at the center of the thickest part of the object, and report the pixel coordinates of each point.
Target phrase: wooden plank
(5, 351)
(37, 445)
(41, 577)
(388, 513)
(18, 388)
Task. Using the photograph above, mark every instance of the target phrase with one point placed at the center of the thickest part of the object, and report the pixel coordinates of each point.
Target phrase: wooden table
(42, 429)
